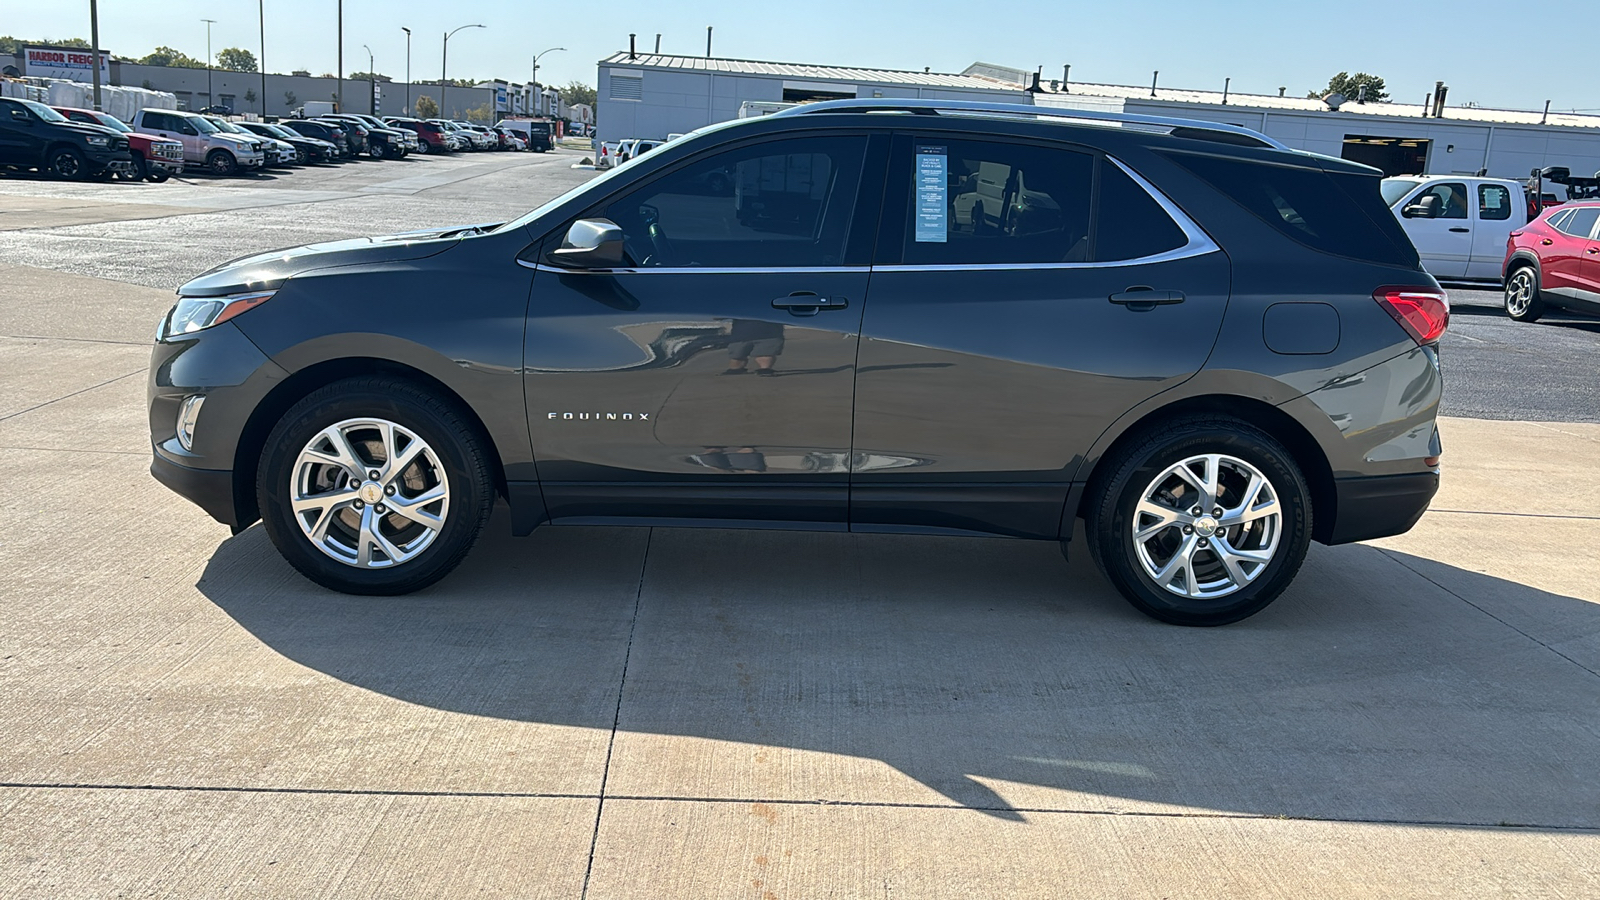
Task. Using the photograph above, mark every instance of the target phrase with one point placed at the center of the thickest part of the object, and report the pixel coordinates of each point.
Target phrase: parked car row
(156, 144)
(615, 153)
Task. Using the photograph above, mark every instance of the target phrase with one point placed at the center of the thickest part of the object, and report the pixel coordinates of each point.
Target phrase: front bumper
(209, 489)
(1378, 506)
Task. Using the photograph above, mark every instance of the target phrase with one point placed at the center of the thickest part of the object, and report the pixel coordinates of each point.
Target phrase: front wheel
(221, 162)
(67, 163)
(1523, 302)
(374, 486)
(1203, 522)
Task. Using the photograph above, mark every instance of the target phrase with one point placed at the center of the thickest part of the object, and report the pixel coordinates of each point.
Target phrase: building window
(627, 87)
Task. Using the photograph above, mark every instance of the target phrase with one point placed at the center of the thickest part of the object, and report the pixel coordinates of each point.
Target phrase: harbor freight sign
(65, 63)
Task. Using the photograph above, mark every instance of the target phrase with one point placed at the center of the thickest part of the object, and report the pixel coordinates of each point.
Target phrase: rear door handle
(1459, 230)
(1594, 250)
(1141, 298)
(807, 303)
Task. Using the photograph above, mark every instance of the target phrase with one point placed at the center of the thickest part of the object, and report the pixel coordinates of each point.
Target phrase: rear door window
(1129, 223)
(1339, 213)
(1581, 222)
(1494, 202)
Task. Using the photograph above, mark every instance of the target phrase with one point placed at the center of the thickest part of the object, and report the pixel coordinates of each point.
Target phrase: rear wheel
(1203, 522)
(221, 162)
(422, 148)
(1523, 302)
(374, 486)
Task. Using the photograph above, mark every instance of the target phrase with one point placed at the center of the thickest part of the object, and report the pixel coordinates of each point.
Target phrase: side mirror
(1425, 208)
(590, 244)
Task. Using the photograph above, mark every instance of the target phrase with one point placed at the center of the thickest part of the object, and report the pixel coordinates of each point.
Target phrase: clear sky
(1488, 52)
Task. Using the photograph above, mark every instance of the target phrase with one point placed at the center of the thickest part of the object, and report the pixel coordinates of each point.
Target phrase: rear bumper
(1380, 505)
(209, 489)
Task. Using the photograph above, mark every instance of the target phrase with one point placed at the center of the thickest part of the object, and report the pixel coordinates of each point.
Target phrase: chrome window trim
(668, 270)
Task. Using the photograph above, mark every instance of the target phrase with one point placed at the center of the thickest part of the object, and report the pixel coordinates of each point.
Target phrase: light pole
(372, 83)
(261, 10)
(211, 99)
(444, 70)
(408, 69)
(94, 38)
(340, 70)
(538, 95)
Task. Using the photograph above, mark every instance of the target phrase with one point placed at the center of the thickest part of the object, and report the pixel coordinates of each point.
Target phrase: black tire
(67, 163)
(221, 162)
(1522, 298)
(159, 177)
(141, 169)
(423, 148)
(1109, 528)
(301, 157)
(456, 443)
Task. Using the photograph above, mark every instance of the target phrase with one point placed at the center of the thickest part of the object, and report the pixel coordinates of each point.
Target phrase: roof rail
(1214, 131)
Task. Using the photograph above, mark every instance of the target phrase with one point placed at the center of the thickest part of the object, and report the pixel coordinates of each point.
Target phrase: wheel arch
(1285, 428)
(253, 437)
(1523, 257)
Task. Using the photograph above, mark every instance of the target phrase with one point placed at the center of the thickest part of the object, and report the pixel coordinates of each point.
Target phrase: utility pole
(408, 68)
(372, 83)
(211, 99)
(94, 38)
(444, 69)
(340, 71)
(261, 10)
(538, 96)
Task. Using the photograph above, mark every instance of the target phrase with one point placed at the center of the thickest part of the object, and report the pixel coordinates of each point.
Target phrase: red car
(154, 158)
(1554, 261)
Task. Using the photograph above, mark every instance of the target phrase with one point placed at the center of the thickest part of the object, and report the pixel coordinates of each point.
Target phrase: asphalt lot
(615, 712)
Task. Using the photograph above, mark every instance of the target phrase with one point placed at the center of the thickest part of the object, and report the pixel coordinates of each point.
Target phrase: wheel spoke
(1234, 559)
(1183, 559)
(1165, 517)
(412, 507)
(342, 456)
(325, 505)
(365, 539)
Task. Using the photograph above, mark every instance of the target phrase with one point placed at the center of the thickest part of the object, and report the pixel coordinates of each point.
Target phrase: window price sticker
(932, 209)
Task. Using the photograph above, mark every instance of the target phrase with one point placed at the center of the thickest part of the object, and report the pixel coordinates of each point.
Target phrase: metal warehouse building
(652, 95)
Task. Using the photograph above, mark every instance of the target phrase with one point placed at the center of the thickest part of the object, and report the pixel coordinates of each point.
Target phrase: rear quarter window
(1339, 213)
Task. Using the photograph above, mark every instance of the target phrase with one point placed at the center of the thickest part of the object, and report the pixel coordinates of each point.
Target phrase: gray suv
(874, 316)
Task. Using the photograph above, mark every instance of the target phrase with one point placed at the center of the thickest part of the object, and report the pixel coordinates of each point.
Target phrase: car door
(1587, 290)
(17, 137)
(1493, 218)
(1563, 253)
(1444, 241)
(710, 376)
(1013, 318)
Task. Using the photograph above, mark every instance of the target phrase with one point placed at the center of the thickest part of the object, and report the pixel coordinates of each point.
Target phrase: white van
(1459, 224)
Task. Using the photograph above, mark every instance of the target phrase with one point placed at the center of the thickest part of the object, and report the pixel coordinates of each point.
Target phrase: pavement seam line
(616, 720)
(1489, 512)
(1491, 615)
(69, 396)
(46, 337)
(788, 801)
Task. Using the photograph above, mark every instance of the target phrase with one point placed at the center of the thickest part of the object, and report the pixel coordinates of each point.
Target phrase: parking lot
(619, 712)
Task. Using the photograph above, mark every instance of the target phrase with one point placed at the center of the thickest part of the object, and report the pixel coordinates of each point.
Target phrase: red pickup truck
(154, 158)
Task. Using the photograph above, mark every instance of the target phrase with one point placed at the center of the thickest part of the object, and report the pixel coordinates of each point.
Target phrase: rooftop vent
(1334, 100)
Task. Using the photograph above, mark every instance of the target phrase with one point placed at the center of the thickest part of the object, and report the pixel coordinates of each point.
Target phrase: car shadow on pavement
(1382, 687)
(1553, 317)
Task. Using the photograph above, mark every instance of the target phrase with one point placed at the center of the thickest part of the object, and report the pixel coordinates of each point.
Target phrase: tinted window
(1452, 199)
(14, 110)
(1494, 202)
(779, 203)
(1342, 214)
(1129, 223)
(980, 202)
(1581, 222)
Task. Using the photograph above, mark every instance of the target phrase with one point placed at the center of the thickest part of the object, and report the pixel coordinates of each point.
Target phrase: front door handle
(1142, 298)
(1460, 230)
(808, 303)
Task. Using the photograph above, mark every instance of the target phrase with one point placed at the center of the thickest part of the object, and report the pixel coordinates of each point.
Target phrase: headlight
(97, 140)
(194, 313)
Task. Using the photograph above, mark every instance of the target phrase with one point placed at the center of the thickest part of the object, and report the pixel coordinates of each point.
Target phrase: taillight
(1422, 312)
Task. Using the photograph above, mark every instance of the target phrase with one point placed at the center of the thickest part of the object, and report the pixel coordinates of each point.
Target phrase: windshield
(279, 131)
(111, 122)
(204, 126)
(43, 112)
(225, 125)
(539, 127)
(1395, 188)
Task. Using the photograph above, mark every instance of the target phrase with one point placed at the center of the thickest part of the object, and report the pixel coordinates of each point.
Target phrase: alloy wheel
(1519, 293)
(67, 164)
(1207, 526)
(369, 493)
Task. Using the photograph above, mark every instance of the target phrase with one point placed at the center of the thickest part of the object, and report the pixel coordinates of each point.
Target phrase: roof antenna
(1153, 82)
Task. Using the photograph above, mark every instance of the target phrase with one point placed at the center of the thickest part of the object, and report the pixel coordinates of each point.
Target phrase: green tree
(480, 115)
(370, 76)
(250, 98)
(11, 46)
(426, 107)
(1350, 86)
(236, 59)
(166, 56)
(576, 92)
(289, 99)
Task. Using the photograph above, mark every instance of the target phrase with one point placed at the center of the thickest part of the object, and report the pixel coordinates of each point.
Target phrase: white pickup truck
(1459, 224)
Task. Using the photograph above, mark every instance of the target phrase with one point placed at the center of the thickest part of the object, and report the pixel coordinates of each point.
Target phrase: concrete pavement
(619, 713)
